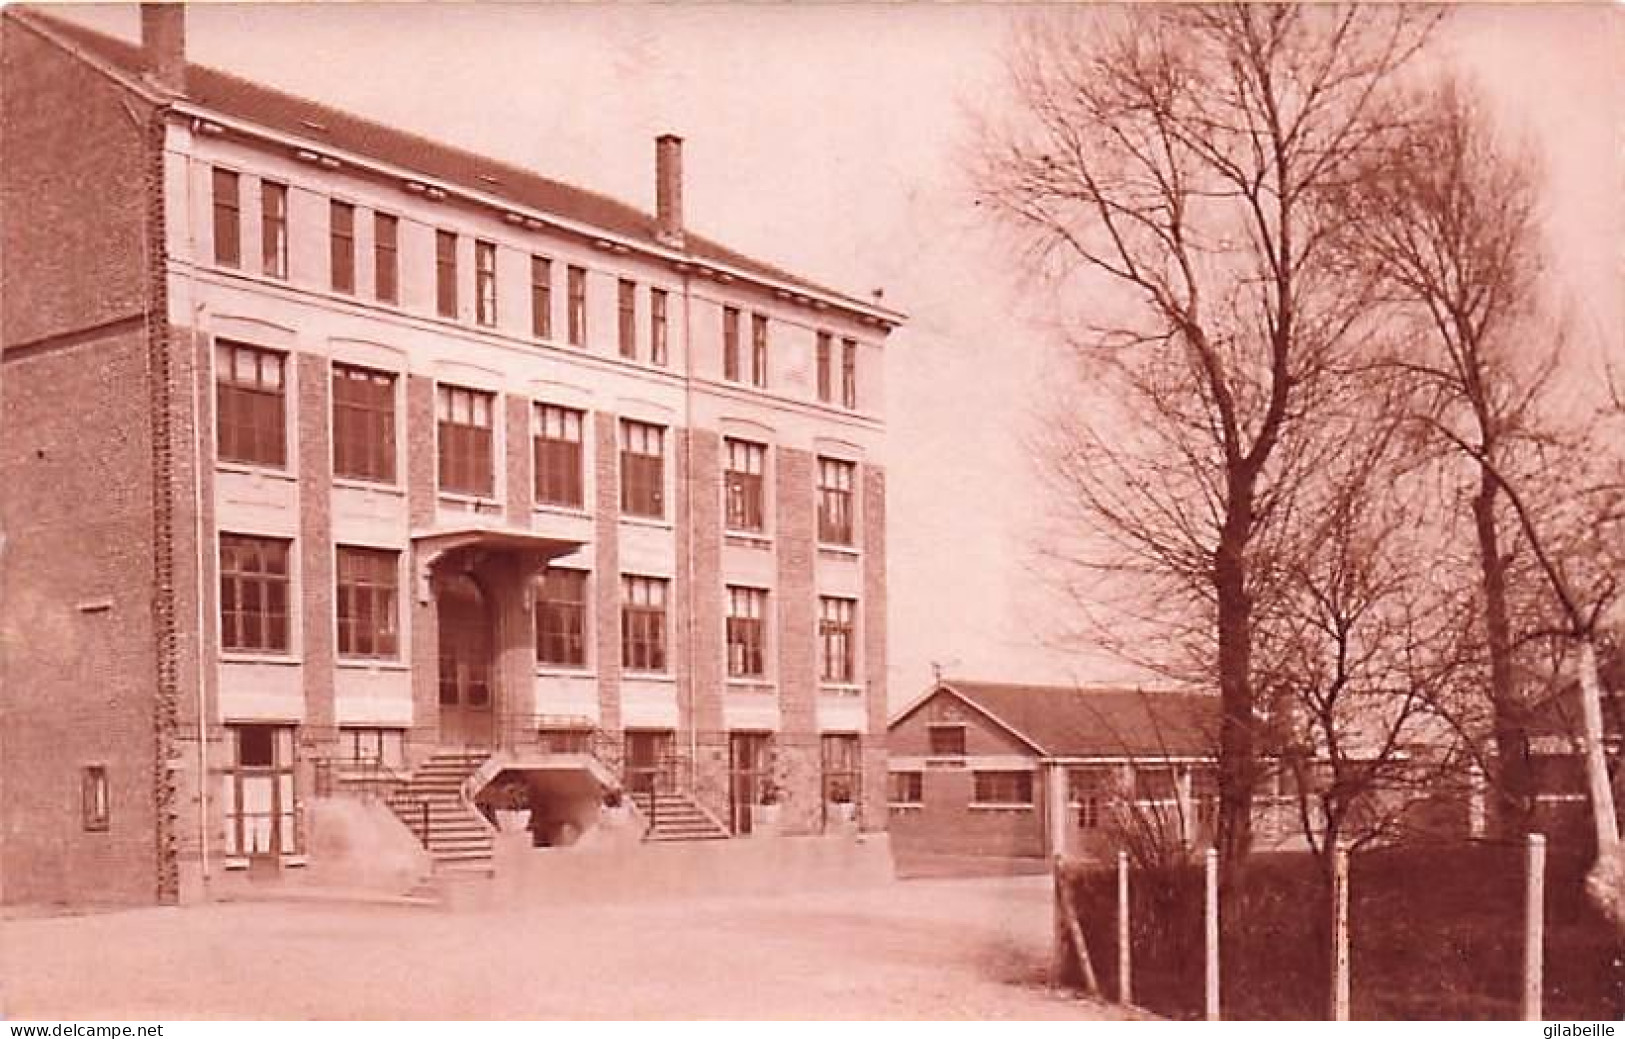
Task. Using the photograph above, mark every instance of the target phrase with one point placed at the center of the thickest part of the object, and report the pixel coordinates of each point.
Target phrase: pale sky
(828, 140)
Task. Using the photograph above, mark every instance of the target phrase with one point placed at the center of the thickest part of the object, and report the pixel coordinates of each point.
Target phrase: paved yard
(917, 949)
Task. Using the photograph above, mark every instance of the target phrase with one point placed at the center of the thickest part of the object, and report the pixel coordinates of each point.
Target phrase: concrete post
(1125, 984)
(1212, 942)
(1534, 933)
(1056, 809)
(1340, 933)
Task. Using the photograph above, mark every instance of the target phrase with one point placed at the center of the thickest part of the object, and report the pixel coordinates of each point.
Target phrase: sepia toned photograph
(839, 511)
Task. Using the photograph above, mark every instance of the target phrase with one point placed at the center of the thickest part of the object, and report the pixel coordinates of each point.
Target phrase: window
(367, 603)
(835, 640)
(465, 441)
(250, 405)
(747, 636)
(1155, 784)
(824, 380)
(657, 326)
(274, 228)
(341, 245)
(228, 219)
(558, 450)
(643, 623)
(947, 741)
(730, 344)
(643, 469)
(445, 273)
(627, 311)
(385, 262)
(577, 300)
(742, 483)
(906, 788)
(253, 594)
(541, 297)
(842, 769)
(835, 479)
(849, 373)
(758, 350)
(485, 283)
(94, 798)
(561, 618)
(1004, 788)
(1091, 792)
(371, 747)
(363, 424)
(259, 791)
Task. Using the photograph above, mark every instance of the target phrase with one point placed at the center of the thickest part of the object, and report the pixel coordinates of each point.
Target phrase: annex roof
(1077, 722)
(324, 126)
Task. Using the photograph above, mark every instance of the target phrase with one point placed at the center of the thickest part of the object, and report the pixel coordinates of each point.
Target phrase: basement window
(93, 786)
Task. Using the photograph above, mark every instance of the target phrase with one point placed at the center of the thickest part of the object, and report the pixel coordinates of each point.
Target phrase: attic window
(947, 741)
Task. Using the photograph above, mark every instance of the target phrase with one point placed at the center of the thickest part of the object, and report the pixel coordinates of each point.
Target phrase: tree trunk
(1606, 882)
(1511, 774)
(1236, 743)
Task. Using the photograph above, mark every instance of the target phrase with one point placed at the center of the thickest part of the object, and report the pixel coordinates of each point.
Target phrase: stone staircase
(459, 838)
(676, 817)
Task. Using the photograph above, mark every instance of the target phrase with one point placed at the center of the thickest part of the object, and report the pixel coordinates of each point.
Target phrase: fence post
(1340, 932)
(1125, 984)
(1212, 943)
(1534, 923)
(1057, 959)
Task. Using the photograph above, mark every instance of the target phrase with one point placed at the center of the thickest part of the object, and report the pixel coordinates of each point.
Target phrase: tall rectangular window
(643, 623)
(758, 350)
(643, 469)
(626, 303)
(274, 228)
(836, 640)
(747, 632)
(558, 456)
(730, 344)
(576, 298)
(228, 219)
(658, 330)
(368, 610)
(258, 794)
(742, 485)
(561, 618)
(835, 479)
(341, 245)
(849, 373)
(825, 382)
(363, 424)
(842, 768)
(250, 405)
(445, 273)
(541, 297)
(385, 258)
(253, 594)
(465, 441)
(94, 798)
(485, 283)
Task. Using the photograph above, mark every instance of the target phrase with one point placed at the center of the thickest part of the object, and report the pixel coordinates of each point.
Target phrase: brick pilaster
(607, 578)
(316, 606)
(796, 612)
(872, 619)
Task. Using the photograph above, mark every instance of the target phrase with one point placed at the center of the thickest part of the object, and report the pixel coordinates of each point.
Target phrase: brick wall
(316, 563)
(703, 538)
(872, 618)
(420, 507)
(800, 767)
(607, 576)
(945, 824)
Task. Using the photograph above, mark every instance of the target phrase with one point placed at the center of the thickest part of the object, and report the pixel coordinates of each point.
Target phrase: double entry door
(466, 718)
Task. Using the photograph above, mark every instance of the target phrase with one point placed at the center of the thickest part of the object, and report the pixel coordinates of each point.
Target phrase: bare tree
(1450, 222)
(1191, 157)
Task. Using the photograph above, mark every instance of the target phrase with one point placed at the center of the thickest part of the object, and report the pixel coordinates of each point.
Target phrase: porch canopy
(473, 544)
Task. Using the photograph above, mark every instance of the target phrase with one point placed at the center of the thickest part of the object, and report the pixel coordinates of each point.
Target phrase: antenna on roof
(937, 666)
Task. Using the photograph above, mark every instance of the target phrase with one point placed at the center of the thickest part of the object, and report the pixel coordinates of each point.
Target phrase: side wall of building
(78, 654)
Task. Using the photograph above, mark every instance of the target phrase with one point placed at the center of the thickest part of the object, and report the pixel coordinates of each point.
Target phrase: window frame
(935, 749)
(341, 246)
(541, 296)
(561, 621)
(257, 413)
(642, 475)
(282, 771)
(227, 208)
(271, 578)
(987, 788)
(730, 343)
(758, 351)
(744, 495)
(837, 501)
(626, 318)
(365, 446)
(837, 630)
(849, 374)
(274, 229)
(386, 257)
(914, 781)
(95, 799)
(575, 289)
(465, 451)
(445, 273)
(825, 383)
(554, 484)
(485, 283)
(745, 631)
(659, 327)
(366, 603)
(644, 625)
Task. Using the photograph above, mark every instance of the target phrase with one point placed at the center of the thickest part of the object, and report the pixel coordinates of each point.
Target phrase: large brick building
(327, 448)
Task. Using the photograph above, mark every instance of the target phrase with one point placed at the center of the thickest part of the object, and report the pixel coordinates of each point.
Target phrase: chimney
(163, 44)
(669, 190)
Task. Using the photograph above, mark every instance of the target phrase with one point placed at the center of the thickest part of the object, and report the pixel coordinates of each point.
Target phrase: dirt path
(918, 949)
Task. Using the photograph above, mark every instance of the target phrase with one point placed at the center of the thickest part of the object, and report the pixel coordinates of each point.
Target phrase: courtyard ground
(967, 948)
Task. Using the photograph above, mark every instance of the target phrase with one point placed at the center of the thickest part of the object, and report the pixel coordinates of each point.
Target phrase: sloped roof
(323, 125)
(1067, 721)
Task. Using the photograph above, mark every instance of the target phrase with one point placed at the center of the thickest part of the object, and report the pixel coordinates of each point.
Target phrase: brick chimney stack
(163, 44)
(669, 190)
